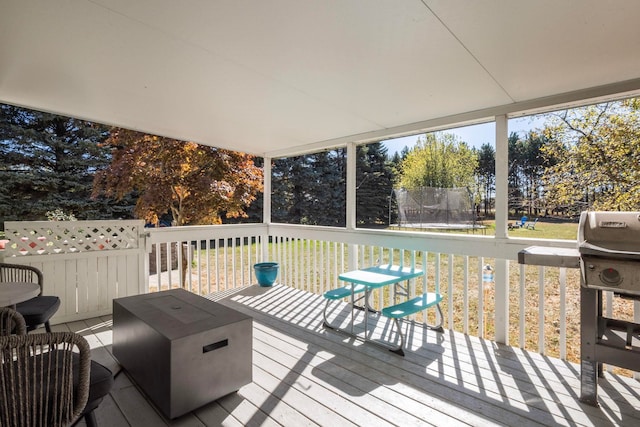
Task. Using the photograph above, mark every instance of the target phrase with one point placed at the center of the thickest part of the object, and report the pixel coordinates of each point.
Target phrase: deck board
(306, 375)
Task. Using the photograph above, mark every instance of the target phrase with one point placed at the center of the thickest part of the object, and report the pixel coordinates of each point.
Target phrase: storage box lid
(176, 313)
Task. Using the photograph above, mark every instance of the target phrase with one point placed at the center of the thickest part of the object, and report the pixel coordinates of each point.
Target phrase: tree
(48, 163)
(310, 189)
(486, 174)
(599, 148)
(192, 182)
(535, 163)
(516, 175)
(526, 166)
(254, 212)
(328, 190)
(291, 178)
(374, 183)
(439, 160)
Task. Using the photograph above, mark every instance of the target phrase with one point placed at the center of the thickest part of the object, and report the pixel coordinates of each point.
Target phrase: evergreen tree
(486, 174)
(526, 168)
(48, 163)
(533, 168)
(289, 176)
(327, 201)
(516, 174)
(374, 184)
(310, 189)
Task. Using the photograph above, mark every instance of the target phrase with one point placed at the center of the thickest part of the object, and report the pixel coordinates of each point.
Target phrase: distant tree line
(583, 158)
(311, 189)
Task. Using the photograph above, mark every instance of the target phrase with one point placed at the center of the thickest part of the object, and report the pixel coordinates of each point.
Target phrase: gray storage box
(183, 350)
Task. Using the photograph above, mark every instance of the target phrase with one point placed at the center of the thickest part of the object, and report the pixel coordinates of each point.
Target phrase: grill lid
(609, 234)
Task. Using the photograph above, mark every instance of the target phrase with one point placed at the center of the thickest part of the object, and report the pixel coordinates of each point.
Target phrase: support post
(502, 176)
(502, 210)
(266, 206)
(351, 203)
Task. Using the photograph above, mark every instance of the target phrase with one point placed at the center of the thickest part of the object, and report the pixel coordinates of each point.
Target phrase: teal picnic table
(368, 279)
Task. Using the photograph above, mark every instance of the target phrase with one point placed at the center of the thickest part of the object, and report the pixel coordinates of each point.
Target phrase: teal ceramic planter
(266, 272)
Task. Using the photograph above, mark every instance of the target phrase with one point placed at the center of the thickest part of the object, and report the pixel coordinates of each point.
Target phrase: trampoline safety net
(431, 207)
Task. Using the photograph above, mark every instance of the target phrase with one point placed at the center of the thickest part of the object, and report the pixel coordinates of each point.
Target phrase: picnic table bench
(367, 279)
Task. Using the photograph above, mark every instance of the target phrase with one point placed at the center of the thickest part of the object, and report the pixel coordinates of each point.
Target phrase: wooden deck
(306, 375)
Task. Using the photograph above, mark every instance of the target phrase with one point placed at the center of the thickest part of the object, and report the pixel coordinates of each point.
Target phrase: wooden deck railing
(528, 306)
(538, 304)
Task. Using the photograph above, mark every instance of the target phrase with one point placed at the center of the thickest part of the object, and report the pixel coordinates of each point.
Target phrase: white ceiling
(283, 76)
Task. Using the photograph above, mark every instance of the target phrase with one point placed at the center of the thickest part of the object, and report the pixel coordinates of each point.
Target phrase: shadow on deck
(306, 375)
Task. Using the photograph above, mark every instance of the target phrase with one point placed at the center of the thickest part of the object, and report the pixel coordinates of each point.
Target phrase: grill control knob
(610, 276)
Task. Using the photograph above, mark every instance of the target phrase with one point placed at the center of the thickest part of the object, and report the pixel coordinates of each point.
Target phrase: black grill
(609, 247)
(608, 255)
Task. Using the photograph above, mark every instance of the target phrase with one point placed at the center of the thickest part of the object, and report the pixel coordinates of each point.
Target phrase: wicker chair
(77, 383)
(37, 376)
(11, 322)
(36, 311)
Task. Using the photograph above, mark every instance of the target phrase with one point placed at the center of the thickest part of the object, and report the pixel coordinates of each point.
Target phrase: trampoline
(435, 208)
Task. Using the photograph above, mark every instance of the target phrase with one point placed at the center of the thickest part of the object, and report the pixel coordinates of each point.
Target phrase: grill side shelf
(550, 257)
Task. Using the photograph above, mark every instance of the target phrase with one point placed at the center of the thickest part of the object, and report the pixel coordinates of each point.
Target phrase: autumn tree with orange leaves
(197, 184)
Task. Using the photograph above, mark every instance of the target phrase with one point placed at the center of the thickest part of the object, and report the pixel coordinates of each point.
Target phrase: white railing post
(501, 289)
(465, 296)
(541, 339)
(563, 313)
(521, 296)
(145, 250)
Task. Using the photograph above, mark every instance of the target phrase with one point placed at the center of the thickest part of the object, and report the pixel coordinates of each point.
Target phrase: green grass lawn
(543, 230)
(553, 229)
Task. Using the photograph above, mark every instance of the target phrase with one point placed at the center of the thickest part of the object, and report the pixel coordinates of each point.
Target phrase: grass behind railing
(545, 228)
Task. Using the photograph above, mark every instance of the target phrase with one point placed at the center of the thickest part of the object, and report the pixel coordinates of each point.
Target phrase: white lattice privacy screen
(85, 263)
(52, 237)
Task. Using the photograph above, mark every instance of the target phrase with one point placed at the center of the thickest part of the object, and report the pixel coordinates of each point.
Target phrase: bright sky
(475, 135)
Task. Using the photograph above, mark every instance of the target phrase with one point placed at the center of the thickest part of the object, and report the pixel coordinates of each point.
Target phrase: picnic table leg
(367, 304)
(367, 292)
(325, 322)
(353, 304)
(437, 327)
(399, 351)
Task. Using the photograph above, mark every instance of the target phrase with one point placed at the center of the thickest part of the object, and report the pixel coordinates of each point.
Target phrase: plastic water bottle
(487, 282)
(487, 275)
